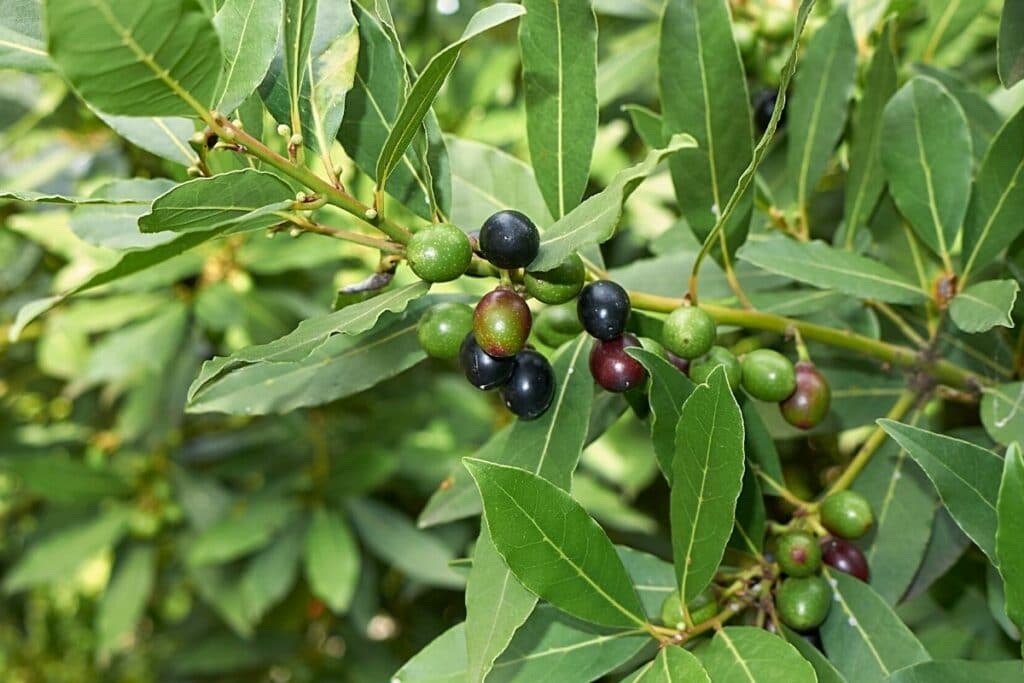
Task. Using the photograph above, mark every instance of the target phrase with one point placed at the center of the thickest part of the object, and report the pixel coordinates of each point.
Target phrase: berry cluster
(803, 599)
(603, 308)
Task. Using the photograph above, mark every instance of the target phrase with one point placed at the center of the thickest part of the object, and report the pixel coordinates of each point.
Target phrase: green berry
(775, 23)
(799, 554)
(847, 514)
(745, 37)
(702, 608)
(442, 329)
(502, 322)
(555, 325)
(439, 253)
(689, 332)
(803, 603)
(558, 285)
(700, 369)
(768, 375)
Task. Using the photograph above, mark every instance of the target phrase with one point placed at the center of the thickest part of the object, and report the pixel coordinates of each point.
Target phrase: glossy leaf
(594, 221)
(672, 665)
(823, 668)
(249, 31)
(984, 305)
(299, 23)
(22, 44)
(148, 58)
(558, 45)
(1010, 534)
(982, 118)
(554, 548)
(421, 97)
(926, 151)
(744, 654)
(331, 559)
(124, 601)
(864, 638)
(653, 578)
(669, 390)
(165, 136)
(116, 225)
(1002, 412)
(958, 671)
(707, 474)
(966, 477)
(821, 93)
(1011, 43)
(819, 264)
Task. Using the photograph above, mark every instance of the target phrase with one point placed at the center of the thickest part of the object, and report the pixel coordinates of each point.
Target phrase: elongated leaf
(558, 44)
(704, 93)
(864, 638)
(966, 477)
(992, 222)
(1002, 412)
(866, 178)
(823, 668)
(647, 124)
(653, 578)
(22, 45)
(821, 265)
(125, 599)
(442, 661)
(983, 119)
(117, 226)
(553, 547)
(1011, 43)
(312, 332)
(594, 221)
(669, 390)
(1010, 534)
(744, 654)
(331, 559)
(57, 478)
(239, 198)
(243, 530)
(249, 31)
(421, 98)
(706, 481)
(984, 305)
(299, 23)
(270, 574)
(672, 665)
(947, 19)
(958, 671)
(821, 93)
(148, 58)
(926, 151)
(61, 553)
(47, 198)
(165, 136)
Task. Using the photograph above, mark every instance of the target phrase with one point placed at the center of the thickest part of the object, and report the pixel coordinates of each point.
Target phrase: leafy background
(308, 524)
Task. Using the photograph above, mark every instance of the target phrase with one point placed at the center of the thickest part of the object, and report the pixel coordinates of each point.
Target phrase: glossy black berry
(809, 404)
(483, 370)
(603, 308)
(764, 104)
(509, 239)
(614, 369)
(502, 322)
(799, 554)
(847, 514)
(529, 390)
(844, 556)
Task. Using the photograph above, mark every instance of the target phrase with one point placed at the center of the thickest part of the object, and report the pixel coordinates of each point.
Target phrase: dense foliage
(568, 340)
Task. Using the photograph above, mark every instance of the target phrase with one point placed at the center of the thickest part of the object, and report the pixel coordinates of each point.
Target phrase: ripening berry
(799, 554)
(809, 404)
(845, 557)
(502, 322)
(558, 285)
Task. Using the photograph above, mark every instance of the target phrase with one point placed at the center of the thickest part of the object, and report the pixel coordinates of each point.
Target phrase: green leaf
(864, 638)
(821, 94)
(55, 477)
(312, 333)
(421, 97)
(165, 136)
(299, 22)
(486, 180)
(984, 305)
(744, 654)
(554, 548)
(558, 47)
(62, 552)
(707, 475)
(959, 671)
(22, 45)
(704, 93)
(496, 606)
(866, 179)
(124, 601)
(248, 527)
(249, 32)
(270, 574)
(1011, 43)
(992, 217)
(672, 665)
(391, 536)
(594, 221)
(243, 199)
(947, 20)
(926, 151)
(48, 198)
(331, 559)
(966, 477)
(821, 265)
(982, 117)
(669, 390)
(147, 58)
(647, 124)
(117, 225)
(824, 669)
(1010, 534)
(1002, 412)
(758, 442)
(442, 661)
(653, 578)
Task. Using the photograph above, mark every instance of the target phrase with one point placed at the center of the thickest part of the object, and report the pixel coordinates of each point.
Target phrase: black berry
(509, 239)
(603, 308)
(529, 391)
(845, 557)
(483, 370)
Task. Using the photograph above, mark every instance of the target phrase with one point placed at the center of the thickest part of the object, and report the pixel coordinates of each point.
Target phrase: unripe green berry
(555, 325)
(558, 285)
(803, 603)
(847, 514)
(768, 375)
(439, 253)
(775, 23)
(442, 329)
(700, 369)
(689, 332)
(799, 554)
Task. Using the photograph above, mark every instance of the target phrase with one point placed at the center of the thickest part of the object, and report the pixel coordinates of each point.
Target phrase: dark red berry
(682, 364)
(603, 308)
(845, 557)
(483, 370)
(613, 368)
(809, 404)
(502, 322)
(509, 239)
(529, 391)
